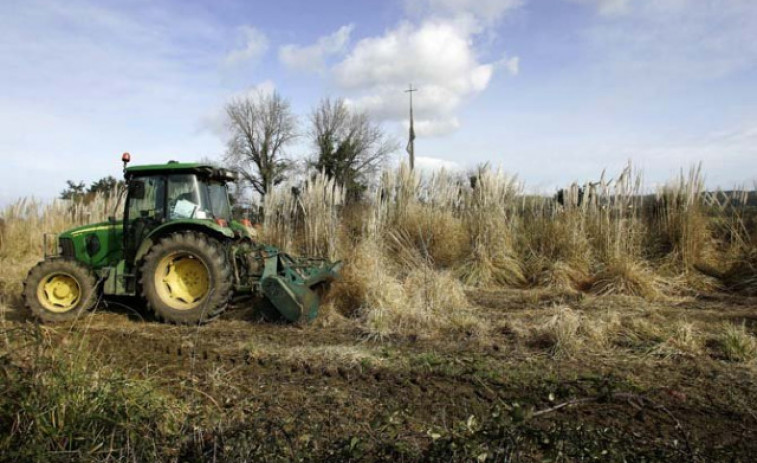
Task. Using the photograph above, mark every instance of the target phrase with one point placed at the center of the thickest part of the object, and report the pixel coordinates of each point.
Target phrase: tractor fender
(201, 226)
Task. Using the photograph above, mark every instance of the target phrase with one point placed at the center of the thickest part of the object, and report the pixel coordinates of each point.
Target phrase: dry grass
(606, 237)
(558, 275)
(364, 274)
(558, 250)
(305, 219)
(390, 302)
(438, 232)
(491, 222)
(738, 237)
(737, 344)
(622, 331)
(560, 334)
(413, 245)
(314, 356)
(742, 275)
(568, 331)
(626, 277)
(641, 333)
(59, 399)
(683, 338)
(679, 229)
(421, 311)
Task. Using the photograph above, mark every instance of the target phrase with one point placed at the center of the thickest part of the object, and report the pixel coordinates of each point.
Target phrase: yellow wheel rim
(182, 280)
(58, 292)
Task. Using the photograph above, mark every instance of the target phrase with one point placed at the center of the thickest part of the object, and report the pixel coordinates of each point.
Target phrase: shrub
(737, 344)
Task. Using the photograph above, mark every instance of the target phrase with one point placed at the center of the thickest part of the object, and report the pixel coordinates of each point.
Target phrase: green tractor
(180, 250)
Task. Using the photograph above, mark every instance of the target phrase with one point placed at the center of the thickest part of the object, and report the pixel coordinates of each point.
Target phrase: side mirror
(136, 189)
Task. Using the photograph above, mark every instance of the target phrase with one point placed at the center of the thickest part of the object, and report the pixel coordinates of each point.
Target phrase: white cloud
(436, 127)
(438, 57)
(486, 11)
(313, 57)
(254, 44)
(511, 65)
(267, 87)
(428, 164)
(84, 81)
(436, 51)
(214, 121)
(729, 157)
(676, 40)
(607, 7)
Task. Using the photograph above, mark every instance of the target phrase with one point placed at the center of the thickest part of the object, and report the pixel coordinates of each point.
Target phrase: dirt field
(261, 391)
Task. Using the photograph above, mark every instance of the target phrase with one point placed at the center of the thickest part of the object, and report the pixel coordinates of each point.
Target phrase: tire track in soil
(344, 397)
(358, 391)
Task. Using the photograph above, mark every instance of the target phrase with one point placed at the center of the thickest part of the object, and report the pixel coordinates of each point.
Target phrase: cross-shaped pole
(411, 138)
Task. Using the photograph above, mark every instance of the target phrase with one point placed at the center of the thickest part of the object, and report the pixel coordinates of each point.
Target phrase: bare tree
(73, 190)
(261, 126)
(350, 147)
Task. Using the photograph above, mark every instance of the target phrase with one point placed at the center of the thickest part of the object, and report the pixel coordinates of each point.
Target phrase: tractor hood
(96, 245)
(90, 228)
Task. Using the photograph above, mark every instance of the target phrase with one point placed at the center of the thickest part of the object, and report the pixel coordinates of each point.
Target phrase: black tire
(41, 283)
(171, 301)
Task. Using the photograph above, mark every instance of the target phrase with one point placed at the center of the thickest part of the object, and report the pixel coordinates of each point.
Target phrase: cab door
(145, 210)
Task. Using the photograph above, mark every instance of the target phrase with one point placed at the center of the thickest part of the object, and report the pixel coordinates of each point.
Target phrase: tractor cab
(177, 191)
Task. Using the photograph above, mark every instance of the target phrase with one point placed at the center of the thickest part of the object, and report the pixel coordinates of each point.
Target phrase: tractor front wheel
(59, 290)
(186, 279)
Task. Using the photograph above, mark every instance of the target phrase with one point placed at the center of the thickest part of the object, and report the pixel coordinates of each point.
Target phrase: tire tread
(221, 284)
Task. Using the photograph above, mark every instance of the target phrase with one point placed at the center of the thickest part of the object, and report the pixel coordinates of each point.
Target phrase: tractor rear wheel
(186, 278)
(59, 290)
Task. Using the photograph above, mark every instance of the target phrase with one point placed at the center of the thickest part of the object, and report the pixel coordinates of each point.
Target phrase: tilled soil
(325, 391)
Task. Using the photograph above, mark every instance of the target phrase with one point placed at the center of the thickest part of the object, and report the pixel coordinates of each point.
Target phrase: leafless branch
(349, 146)
(261, 126)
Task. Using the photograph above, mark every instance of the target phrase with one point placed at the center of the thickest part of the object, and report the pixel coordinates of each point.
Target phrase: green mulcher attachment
(293, 286)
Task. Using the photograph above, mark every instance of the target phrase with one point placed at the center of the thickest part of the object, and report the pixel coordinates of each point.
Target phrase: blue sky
(554, 90)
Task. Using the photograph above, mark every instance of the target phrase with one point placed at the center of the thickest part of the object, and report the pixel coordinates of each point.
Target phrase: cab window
(186, 198)
(219, 200)
(146, 198)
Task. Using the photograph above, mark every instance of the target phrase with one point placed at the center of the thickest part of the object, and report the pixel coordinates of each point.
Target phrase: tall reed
(606, 236)
(305, 218)
(679, 228)
(489, 213)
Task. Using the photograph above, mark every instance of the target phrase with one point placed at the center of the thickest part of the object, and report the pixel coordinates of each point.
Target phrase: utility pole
(411, 138)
